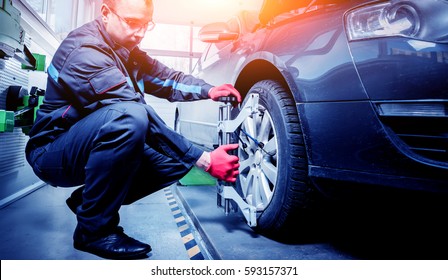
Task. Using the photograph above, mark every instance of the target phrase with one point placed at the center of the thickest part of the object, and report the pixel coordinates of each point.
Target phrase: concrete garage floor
(230, 238)
(184, 223)
(389, 225)
(40, 227)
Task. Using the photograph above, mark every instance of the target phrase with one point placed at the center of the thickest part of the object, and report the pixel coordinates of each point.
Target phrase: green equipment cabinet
(6, 121)
(21, 106)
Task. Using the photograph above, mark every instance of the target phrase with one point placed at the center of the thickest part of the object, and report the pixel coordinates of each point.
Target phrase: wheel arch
(258, 70)
(265, 69)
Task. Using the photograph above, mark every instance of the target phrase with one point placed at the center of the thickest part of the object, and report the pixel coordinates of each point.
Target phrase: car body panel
(343, 90)
(398, 63)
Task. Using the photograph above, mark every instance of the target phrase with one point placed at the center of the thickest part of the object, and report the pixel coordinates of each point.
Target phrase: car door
(198, 120)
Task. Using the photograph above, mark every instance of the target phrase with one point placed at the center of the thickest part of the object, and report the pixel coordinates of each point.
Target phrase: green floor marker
(197, 177)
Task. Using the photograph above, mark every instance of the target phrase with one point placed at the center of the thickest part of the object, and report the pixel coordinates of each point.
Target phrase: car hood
(272, 8)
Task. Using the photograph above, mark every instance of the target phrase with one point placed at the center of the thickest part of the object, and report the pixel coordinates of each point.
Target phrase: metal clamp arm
(227, 196)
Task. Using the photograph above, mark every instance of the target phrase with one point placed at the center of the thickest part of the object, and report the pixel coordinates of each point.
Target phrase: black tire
(273, 174)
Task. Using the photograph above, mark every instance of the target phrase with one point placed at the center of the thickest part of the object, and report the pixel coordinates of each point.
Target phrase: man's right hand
(224, 90)
(222, 165)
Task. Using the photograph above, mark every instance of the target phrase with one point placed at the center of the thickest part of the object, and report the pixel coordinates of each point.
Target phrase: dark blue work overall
(95, 128)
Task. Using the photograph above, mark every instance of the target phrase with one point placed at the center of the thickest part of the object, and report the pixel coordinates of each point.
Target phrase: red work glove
(222, 165)
(224, 90)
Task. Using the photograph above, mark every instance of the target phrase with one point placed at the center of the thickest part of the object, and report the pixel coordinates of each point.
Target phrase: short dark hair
(113, 3)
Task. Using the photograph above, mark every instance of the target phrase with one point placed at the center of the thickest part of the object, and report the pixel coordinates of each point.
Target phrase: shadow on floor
(402, 225)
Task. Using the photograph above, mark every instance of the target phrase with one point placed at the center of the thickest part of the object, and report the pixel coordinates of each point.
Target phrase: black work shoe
(116, 245)
(75, 199)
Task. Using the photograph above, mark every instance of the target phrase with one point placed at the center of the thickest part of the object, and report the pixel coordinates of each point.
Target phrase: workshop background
(35, 222)
(40, 25)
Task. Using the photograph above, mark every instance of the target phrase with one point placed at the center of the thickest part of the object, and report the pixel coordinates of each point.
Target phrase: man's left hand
(224, 90)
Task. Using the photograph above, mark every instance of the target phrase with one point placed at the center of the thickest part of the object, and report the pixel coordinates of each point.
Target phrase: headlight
(425, 20)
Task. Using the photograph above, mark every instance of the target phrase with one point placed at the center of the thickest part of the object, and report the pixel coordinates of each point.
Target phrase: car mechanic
(95, 130)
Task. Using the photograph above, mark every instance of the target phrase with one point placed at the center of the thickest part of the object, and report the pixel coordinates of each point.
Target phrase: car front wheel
(273, 162)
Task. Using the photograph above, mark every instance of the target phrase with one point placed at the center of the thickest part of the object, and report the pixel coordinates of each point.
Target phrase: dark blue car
(353, 95)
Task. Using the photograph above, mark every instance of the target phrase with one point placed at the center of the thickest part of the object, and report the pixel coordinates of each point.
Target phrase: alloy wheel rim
(258, 159)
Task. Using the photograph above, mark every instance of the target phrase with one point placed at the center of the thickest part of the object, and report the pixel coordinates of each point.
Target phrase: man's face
(128, 21)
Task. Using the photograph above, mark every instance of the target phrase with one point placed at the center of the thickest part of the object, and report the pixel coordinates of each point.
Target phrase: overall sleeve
(162, 81)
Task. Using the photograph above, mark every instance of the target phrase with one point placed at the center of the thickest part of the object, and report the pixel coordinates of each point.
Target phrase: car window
(251, 21)
(214, 48)
(233, 25)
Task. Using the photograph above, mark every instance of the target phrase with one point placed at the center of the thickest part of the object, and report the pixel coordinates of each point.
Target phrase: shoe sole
(130, 256)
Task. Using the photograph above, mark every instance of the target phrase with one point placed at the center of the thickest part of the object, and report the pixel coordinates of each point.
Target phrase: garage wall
(17, 179)
(16, 176)
(11, 144)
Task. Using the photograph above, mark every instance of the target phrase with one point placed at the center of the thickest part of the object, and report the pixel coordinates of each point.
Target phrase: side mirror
(217, 32)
